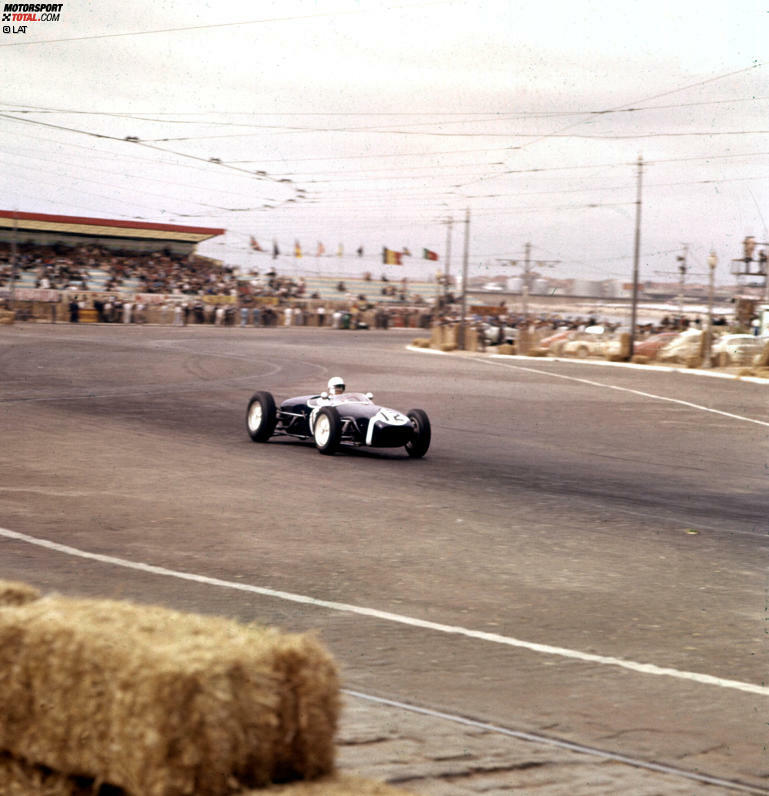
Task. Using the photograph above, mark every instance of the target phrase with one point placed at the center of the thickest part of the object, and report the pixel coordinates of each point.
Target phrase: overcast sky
(369, 124)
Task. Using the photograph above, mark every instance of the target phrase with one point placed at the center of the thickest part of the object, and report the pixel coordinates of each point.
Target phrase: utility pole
(465, 256)
(526, 278)
(636, 256)
(527, 274)
(13, 263)
(682, 281)
(446, 273)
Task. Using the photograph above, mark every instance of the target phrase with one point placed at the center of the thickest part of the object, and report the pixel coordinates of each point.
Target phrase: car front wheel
(261, 416)
(417, 446)
(327, 430)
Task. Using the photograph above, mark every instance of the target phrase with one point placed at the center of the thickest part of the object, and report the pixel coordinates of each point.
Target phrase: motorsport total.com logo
(21, 14)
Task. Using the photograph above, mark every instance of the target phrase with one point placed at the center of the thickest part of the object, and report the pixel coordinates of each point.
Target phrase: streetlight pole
(681, 283)
(636, 256)
(462, 336)
(712, 263)
(449, 224)
(525, 285)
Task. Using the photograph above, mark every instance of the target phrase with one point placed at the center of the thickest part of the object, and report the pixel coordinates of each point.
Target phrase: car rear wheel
(261, 416)
(327, 430)
(417, 446)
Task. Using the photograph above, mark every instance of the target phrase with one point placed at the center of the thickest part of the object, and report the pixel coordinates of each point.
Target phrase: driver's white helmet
(336, 385)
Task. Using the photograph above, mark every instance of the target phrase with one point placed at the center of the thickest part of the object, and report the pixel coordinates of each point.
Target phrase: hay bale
(537, 352)
(447, 347)
(160, 702)
(639, 359)
(747, 372)
(19, 778)
(762, 360)
(506, 348)
(14, 593)
(7, 317)
(338, 785)
(693, 361)
(421, 342)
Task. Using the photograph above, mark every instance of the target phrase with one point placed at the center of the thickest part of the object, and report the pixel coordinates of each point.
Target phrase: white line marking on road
(627, 389)
(478, 635)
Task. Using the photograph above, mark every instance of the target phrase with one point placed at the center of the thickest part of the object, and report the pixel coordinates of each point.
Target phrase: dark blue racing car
(336, 420)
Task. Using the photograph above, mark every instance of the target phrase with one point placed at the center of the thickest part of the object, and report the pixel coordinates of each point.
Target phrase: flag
(321, 250)
(340, 250)
(406, 252)
(255, 245)
(390, 257)
(429, 255)
(275, 250)
(297, 249)
(360, 251)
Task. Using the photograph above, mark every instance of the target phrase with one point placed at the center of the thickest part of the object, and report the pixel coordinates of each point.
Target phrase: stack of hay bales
(624, 349)
(156, 702)
(7, 317)
(762, 360)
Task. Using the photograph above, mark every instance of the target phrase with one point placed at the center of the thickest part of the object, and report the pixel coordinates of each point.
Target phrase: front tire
(327, 431)
(261, 416)
(417, 446)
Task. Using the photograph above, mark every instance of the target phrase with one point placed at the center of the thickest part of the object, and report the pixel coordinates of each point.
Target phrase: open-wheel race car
(337, 420)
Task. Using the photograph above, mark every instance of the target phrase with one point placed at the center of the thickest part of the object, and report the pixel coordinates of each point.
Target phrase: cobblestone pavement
(432, 756)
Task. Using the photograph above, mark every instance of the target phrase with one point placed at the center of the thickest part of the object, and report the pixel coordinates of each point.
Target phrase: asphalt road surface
(581, 555)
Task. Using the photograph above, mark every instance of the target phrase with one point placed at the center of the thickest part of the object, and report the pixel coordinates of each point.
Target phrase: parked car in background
(736, 349)
(652, 345)
(683, 346)
(591, 342)
(495, 334)
(556, 337)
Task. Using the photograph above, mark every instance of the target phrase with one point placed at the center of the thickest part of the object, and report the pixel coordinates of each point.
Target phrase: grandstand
(327, 288)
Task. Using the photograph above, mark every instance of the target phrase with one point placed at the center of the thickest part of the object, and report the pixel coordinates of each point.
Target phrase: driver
(336, 385)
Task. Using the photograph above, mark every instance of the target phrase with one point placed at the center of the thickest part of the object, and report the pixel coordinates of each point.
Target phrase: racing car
(348, 419)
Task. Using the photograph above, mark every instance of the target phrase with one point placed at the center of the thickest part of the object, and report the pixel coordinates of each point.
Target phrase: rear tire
(327, 430)
(261, 416)
(420, 442)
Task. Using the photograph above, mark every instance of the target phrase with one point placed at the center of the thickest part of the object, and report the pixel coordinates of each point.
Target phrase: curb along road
(713, 374)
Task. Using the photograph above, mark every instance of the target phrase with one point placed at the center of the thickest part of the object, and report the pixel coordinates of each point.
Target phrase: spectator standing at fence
(74, 310)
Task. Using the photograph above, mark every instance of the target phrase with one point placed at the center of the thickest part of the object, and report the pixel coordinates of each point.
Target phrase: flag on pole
(297, 249)
(390, 257)
(255, 245)
(321, 250)
(406, 252)
(360, 251)
(429, 255)
(275, 250)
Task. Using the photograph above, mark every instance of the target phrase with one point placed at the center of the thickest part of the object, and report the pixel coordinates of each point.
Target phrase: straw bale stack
(163, 703)
(18, 778)
(15, 593)
(762, 360)
(7, 317)
(338, 785)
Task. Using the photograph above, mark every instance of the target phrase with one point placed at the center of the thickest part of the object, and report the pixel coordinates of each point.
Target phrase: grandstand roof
(77, 225)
